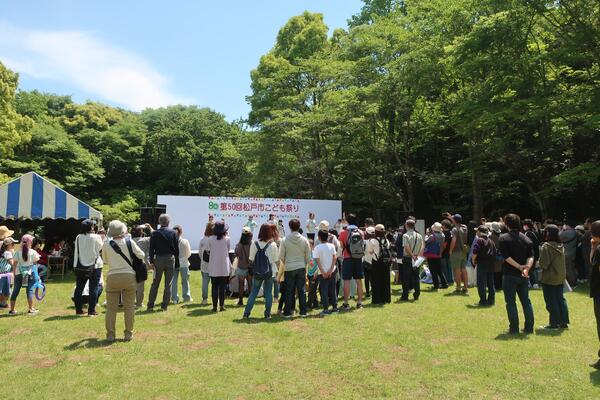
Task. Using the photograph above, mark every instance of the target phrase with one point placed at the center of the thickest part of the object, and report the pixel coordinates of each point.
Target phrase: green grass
(438, 347)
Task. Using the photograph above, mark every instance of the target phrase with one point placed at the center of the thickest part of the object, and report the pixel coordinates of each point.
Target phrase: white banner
(193, 212)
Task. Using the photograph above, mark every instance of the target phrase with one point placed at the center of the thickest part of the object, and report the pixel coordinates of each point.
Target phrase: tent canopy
(33, 197)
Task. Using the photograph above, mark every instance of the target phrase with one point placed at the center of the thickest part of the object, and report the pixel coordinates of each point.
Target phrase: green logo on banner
(213, 206)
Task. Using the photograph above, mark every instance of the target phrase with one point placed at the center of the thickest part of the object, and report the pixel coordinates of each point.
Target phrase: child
(7, 264)
(312, 272)
(25, 260)
(325, 255)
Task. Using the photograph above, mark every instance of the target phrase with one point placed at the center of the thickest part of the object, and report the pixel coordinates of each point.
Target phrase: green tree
(14, 128)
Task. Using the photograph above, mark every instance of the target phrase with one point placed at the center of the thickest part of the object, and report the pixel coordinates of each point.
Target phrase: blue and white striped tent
(33, 197)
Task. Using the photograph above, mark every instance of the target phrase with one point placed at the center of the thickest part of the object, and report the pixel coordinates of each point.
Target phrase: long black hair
(219, 230)
(246, 238)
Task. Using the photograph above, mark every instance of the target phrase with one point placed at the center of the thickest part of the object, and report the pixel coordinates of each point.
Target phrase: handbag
(206, 256)
(139, 267)
(84, 270)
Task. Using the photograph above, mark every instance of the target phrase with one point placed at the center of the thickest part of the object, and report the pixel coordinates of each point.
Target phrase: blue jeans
(328, 293)
(205, 282)
(485, 277)
(447, 270)
(185, 285)
(514, 286)
(94, 280)
(275, 289)
(556, 304)
(17, 287)
(268, 292)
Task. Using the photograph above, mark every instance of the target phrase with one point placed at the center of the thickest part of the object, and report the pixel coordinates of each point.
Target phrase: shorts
(242, 273)
(4, 287)
(458, 260)
(352, 268)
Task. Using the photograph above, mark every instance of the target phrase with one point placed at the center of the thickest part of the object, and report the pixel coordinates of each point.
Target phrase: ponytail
(26, 242)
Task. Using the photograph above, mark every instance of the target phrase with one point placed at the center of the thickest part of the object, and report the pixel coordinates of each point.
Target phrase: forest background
(418, 106)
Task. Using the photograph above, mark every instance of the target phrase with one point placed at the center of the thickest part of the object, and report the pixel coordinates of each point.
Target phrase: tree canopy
(419, 106)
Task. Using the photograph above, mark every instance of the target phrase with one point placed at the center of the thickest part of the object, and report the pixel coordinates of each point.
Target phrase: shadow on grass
(477, 306)
(511, 336)
(89, 343)
(549, 332)
(197, 305)
(260, 320)
(201, 312)
(595, 377)
(63, 317)
(453, 293)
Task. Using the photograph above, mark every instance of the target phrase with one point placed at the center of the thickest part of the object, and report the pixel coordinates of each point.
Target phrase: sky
(151, 53)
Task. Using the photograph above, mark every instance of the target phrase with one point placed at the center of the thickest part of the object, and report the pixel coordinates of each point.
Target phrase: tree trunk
(476, 183)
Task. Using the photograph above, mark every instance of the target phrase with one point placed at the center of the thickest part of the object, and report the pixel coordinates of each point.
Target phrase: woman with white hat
(434, 246)
(120, 278)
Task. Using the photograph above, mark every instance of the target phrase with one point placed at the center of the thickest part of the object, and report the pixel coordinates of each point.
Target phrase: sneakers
(550, 327)
(128, 337)
(92, 314)
(268, 316)
(335, 311)
(12, 312)
(33, 311)
(345, 307)
(80, 313)
(110, 339)
(287, 316)
(240, 303)
(246, 316)
(204, 302)
(303, 315)
(359, 306)
(223, 309)
(325, 312)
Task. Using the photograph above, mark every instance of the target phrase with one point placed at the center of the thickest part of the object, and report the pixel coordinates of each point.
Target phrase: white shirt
(272, 254)
(116, 263)
(32, 258)
(311, 225)
(201, 248)
(371, 250)
(87, 248)
(185, 252)
(325, 252)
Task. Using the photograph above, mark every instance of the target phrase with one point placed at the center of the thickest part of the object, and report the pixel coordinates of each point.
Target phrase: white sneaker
(204, 302)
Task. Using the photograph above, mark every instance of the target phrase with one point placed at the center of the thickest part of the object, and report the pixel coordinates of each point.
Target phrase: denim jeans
(295, 282)
(556, 304)
(268, 292)
(185, 285)
(485, 278)
(328, 294)
(313, 285)
(205, 282)
(275, 289)
(447, 270)
(94, 280)
(514, 286)
(17, 287)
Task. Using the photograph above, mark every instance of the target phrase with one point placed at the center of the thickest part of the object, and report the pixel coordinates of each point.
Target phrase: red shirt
(343, 238)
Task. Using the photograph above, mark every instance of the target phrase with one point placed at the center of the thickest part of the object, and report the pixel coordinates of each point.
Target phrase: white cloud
(82, 59)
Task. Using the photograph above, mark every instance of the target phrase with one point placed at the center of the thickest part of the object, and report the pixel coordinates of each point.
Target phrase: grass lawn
(438, 347)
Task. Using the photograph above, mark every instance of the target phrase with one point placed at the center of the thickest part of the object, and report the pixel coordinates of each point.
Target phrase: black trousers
(219, 284)
(368, 277)
(380, 283)
(410, 279)
(435, 266)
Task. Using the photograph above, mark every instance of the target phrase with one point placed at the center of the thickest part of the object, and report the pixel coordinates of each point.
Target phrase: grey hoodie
(552, 263)
(569, 238)
(295, 252)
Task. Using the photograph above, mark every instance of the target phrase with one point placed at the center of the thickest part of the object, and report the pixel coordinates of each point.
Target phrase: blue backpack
(262, 266)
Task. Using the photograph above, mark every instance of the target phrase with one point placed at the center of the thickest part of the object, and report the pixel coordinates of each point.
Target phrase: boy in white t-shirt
(325, 255)
(6, 266)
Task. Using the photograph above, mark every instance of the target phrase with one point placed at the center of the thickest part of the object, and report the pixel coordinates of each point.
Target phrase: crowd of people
(322, 266)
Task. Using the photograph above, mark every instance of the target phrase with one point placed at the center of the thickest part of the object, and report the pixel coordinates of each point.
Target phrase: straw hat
(436, 227)
(324, 225)
(380, 228)
(5, 232)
